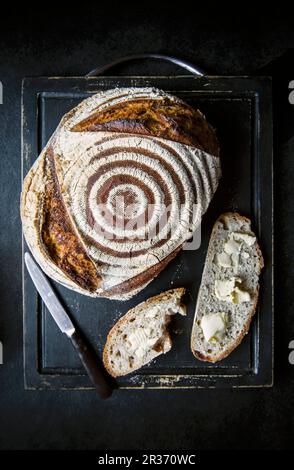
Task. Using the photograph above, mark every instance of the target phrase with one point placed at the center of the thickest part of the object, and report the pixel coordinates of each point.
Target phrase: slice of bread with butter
(229, 289)
(141, 334)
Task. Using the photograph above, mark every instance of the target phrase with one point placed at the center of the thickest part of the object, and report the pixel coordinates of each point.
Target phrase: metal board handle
(131, 58)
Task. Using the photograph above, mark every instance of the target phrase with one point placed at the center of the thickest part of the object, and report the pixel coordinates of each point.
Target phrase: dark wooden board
(240, 109)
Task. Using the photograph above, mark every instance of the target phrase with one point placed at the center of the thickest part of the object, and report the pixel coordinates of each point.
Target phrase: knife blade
(97, 374)
(49, 297)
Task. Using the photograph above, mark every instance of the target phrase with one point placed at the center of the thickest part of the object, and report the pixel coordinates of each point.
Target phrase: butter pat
(223, 259)
(223, 289)
(239, 296)
(214, 326)
(227, 261)
(135, 339)
(232, 246)
(245, 237)
(141, 340)
(235, 260)
(140, 352)
(229, 290)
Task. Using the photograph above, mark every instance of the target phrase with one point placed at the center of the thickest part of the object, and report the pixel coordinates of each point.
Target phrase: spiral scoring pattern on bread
(133, 199)
(147, 176)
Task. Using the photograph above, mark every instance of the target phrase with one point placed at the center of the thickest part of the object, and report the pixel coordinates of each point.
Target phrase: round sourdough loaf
(119, 188)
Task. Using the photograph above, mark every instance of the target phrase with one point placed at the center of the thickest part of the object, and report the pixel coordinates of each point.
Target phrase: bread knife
(95, 371)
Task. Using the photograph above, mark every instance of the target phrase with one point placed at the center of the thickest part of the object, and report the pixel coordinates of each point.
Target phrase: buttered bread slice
(229, 289)
(141, 334)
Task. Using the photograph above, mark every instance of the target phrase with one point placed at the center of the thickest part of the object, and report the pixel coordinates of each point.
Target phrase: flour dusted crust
(83, 166)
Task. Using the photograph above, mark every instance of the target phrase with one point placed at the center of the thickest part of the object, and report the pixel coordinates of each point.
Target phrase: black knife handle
(94, 370)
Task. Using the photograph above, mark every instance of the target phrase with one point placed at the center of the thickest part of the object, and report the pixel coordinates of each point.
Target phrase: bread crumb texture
(229, 287)
(142, 334)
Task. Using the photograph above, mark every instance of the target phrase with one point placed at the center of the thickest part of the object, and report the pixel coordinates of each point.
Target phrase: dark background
(239, 41)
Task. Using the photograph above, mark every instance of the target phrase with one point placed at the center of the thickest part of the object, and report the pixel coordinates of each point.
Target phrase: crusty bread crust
(167, 118)
(152, 301)
(130, 287)
(61, 244)
(225, 219)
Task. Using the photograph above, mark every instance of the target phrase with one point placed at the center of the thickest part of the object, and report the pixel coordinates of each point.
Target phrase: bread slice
(141, 334)
(229, 289)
